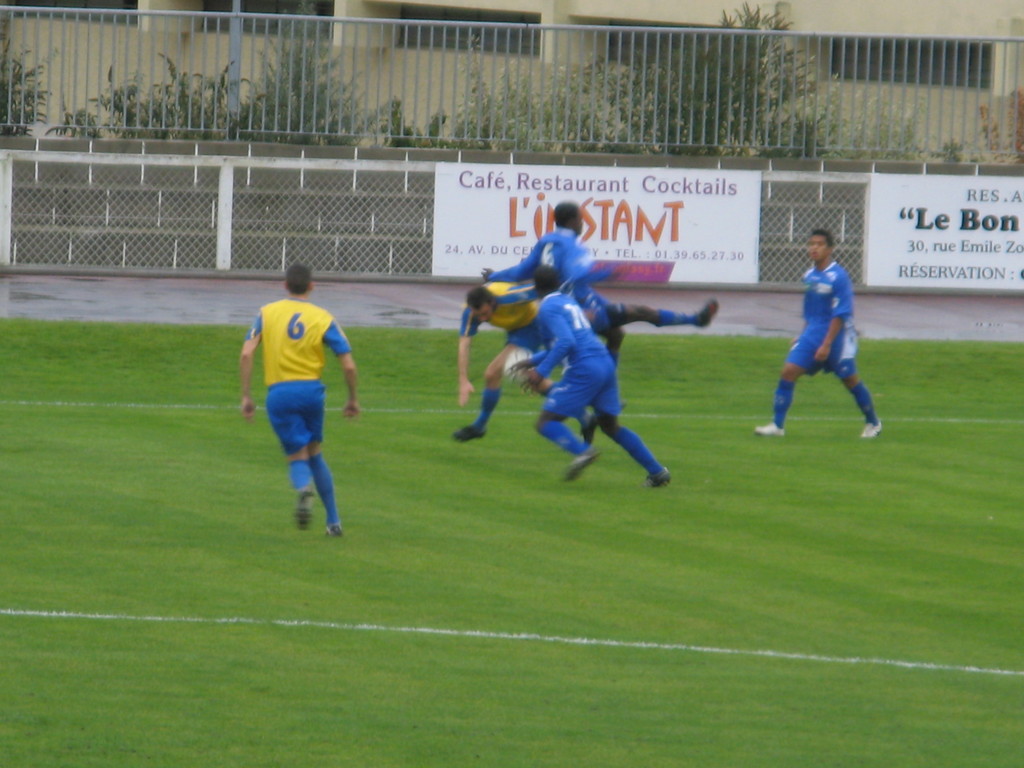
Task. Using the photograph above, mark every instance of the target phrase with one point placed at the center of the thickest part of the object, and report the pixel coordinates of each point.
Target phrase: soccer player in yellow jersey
(294, 332)
(511, 307)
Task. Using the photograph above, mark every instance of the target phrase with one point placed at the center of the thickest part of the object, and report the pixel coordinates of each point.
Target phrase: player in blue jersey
(590, 379)
(828, 341)
(294, 332)
(513, 308)
(577, 272)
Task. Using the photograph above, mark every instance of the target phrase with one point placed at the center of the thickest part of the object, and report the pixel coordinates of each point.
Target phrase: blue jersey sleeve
(597, 274)
(257, 327)
(572, 260)
(524, 269)
(336, 340)
(467, 325)
(559, 334)
(842, 298)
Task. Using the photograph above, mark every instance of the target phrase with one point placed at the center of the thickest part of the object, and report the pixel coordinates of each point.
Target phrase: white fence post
(225, 204)
(6, 195)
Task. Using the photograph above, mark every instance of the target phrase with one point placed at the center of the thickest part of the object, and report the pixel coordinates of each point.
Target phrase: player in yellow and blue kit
(511, 307)
(294, 332)
(828, 341)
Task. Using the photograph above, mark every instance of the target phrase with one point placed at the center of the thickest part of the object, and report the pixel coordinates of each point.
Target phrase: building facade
(872, 17)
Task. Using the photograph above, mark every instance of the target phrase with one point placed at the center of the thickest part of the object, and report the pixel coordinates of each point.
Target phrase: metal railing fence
(316, 80)
(188, 213)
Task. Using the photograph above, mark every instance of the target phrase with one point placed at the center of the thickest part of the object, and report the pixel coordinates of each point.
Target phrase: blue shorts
(296, 412)
(614, 314)
(842, 357)
(606, 316)
(527, 337)
(589, 382)
(601, 313)
(599, 319)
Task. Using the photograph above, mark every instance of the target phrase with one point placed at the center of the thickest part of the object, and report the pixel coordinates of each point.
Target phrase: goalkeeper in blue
(589, 379)
(294, 333)
(828, 341)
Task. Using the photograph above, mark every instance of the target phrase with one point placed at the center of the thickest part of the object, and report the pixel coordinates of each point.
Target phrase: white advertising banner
(658, 225)
(945, 232)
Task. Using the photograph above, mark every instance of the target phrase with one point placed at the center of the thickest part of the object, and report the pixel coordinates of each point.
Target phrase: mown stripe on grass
(522, 637)
(464, 411)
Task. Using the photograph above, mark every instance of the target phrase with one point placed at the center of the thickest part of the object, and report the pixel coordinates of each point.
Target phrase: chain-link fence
(377, 222)
(341, 216)
(123, 215)
(168, 213)
(793, 204)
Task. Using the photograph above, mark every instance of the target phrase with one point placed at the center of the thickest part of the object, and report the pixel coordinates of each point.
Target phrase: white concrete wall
(912, 17)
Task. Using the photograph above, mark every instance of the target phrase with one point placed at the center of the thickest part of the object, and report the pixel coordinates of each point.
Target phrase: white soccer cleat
(581, 462)
(769, 430)
(872, 430)
(658, 479)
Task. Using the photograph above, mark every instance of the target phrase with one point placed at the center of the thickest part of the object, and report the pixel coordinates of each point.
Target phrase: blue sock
(636, 448)
(325, 487)
(783, 399)
(863, 397)
(665, 317)
(559, 434)
(300, 473)
(487, 405)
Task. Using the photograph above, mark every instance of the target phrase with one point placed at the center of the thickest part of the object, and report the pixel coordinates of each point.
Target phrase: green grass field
(816, 600)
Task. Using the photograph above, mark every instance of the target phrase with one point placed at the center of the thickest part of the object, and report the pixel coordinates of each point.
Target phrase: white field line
(468, 411)
(521, 637)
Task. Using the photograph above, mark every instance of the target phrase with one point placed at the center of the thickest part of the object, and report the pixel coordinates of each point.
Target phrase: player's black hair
(478, 297)
(566, 212)
(545, 278)
(829, 240)
(298, 278)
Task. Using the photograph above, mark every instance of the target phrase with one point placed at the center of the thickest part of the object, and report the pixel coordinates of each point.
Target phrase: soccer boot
(769, 430)
(581, 462)
(707, 313)
(658, 479)
(467, 433)
(872, 430)
(334, 529)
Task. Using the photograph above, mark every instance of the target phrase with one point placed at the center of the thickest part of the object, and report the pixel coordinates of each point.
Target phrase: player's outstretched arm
(465, 385)
(351, 373)
(245, 365)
